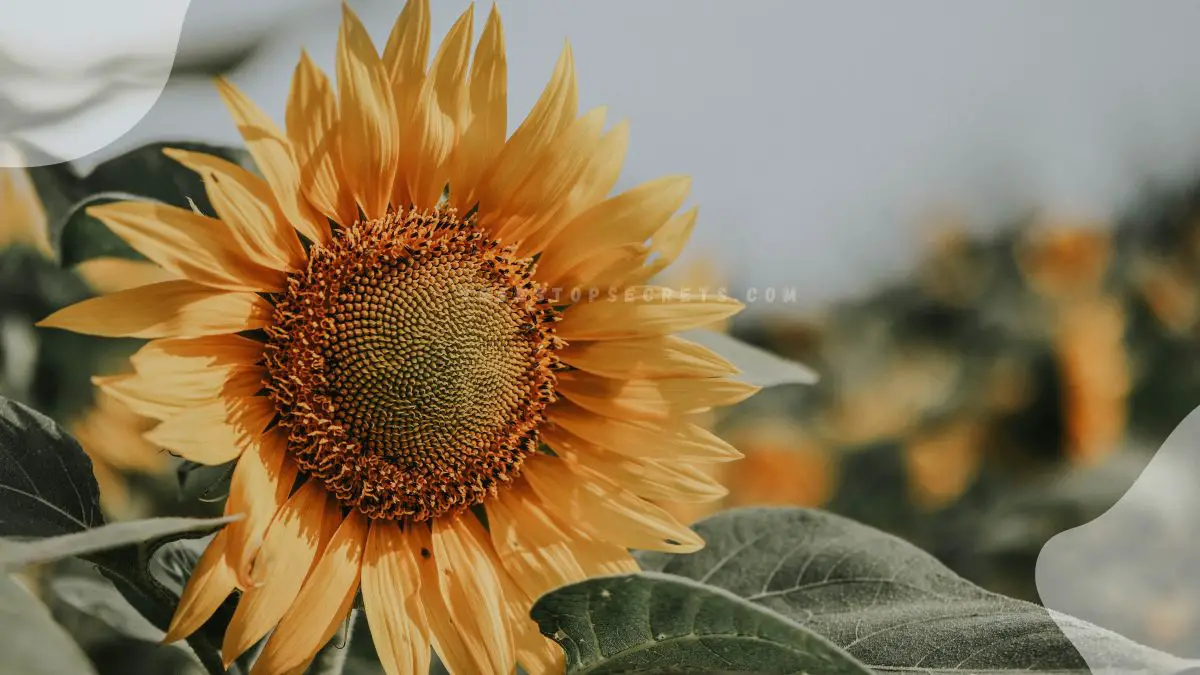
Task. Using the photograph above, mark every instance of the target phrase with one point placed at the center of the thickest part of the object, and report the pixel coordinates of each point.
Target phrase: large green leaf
(889, 604)
(46, 482)
(658, 623)
(31, 642)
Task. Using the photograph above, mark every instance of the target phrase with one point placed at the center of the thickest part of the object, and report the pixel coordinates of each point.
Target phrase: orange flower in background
(1066, 263)
(388, 360)
(108, 431)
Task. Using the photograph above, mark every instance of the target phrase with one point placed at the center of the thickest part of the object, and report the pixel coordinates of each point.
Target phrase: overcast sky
(817, 132)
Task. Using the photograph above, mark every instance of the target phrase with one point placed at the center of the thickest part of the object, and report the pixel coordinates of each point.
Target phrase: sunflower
(430, 348)
(109, 433)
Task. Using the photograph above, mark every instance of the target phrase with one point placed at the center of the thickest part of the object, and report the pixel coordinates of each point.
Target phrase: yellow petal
(296, 535)
(652, 357)
(22, 216)
(529, 542)
(555, 171)
(665, 439)
(273, 156)
(262, 481)
(391, 584)
(322, 603)
(211, 582)
(109, 275)
(369, 137)
(642, 311)
(407, 50)
(536, 654)
(178, 308)
(487, 127)
(217, 432)
(599, 176)
(312, 127)
(660, 480)
(172, 355)
(166, 394)
(245, 203)
(440, 112)
(472, 634)
(666, 245)
(627, 218)
(193, 246)
(607, 512)
(650, 399)
(555, 109)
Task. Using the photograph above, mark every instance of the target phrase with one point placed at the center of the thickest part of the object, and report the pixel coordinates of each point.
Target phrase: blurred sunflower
(33, 285)
(429, 349)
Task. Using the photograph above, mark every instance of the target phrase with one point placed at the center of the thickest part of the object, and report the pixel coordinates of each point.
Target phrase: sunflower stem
(331, 660)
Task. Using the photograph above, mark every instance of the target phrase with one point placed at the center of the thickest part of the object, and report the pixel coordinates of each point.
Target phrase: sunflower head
(412, 361)
(431, 350)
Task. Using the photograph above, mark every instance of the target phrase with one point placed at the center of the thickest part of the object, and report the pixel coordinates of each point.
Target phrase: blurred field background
(985, 219)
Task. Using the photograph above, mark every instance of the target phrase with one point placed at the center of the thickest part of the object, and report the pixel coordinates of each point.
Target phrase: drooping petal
(662, 439)
(629, 217)
(166, 394)
(606, 511)
(196, 247)
(650, 399)
(322, 603)
(391, 590)
(483, 137)
(246, 204)
(109, 275)
(273, 156)
(665, 480)
(652, 357)
(368, 132)
(471, 633)
(211, 582)
(642, 311)
(177, 308)
(217, 432)
(312, 127)
(262, 481)
(296, 536)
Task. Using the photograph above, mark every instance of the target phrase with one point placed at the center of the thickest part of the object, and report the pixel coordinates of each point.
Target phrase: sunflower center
(411, 363)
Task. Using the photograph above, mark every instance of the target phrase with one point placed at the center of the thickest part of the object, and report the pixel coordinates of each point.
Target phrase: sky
(820, 135)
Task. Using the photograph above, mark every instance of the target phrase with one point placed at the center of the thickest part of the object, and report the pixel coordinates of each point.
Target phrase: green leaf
(116, 535)
(97, 597)
(46, 482)
(31, 642)
(889, 604)
(658, 623)
(758, 366)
